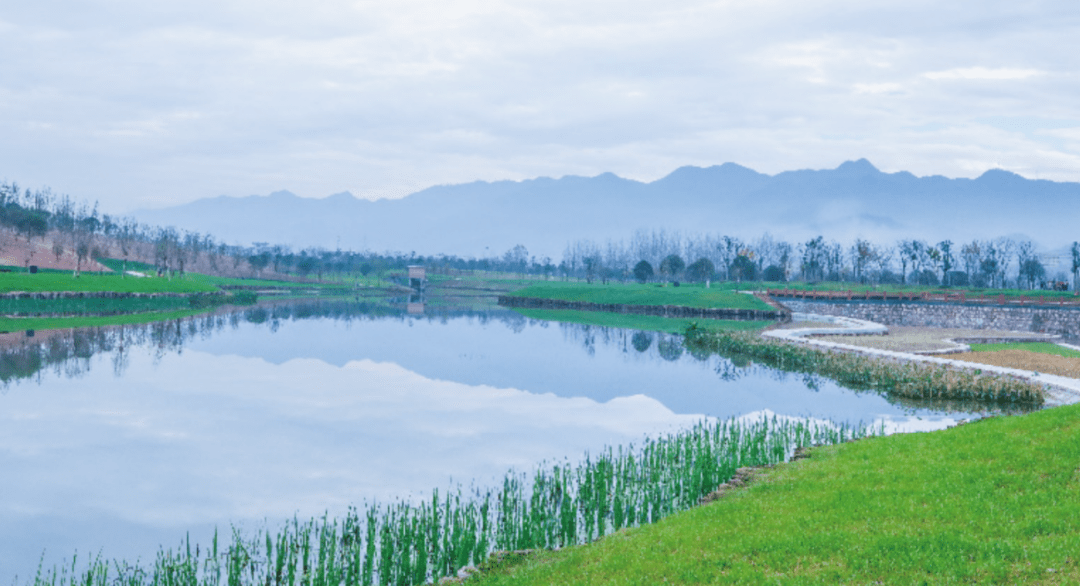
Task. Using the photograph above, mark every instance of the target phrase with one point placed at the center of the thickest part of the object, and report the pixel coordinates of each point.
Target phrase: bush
(774, 274)
(957, 279)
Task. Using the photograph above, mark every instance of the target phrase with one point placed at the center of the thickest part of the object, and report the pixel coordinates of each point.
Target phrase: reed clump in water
(901, 379)
(406, 544)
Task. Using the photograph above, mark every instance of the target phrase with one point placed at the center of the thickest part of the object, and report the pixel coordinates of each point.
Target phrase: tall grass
(403, 543)
(900, 379)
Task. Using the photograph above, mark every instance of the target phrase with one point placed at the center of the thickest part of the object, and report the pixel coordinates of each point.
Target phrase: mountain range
(487, 218)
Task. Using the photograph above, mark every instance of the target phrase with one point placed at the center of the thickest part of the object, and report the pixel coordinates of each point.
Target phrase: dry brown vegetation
(924, 339)
(1025, 360)
(16, 251)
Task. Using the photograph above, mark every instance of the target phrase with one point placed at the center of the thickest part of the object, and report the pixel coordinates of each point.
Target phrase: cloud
(384, 98)
(984, 73)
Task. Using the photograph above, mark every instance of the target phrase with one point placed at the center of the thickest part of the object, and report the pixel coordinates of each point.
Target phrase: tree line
(650, 255)
(78, 229)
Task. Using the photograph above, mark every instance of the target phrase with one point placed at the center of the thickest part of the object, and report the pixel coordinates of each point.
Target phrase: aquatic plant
(910, 380)
(402, 544)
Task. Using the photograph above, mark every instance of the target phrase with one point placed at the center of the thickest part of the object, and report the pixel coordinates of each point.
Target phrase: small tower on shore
(417, 278)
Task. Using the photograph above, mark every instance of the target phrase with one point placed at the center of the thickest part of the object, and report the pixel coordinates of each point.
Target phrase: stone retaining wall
(1061, 321)
(659, 310)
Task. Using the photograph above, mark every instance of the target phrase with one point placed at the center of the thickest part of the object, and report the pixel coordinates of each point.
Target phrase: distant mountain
(481, 218)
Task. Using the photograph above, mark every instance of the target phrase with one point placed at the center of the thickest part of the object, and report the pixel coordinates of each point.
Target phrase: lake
(118, 441)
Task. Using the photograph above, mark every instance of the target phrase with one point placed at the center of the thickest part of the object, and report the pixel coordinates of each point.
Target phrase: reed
(402, 544)
(909, 380)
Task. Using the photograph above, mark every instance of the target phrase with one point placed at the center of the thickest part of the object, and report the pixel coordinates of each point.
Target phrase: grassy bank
(95, 282)
(993, 502)
(649, 323)
(90, 306)
(902, 379)
(18, 324)
(694, 295)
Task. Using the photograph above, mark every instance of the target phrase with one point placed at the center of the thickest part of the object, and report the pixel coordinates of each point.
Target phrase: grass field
(993, 502)
(638, 294)
(1037, 347)
(64, 281)
(649, 323)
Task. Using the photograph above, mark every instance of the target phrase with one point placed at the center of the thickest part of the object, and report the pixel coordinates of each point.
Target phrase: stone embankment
(1063, 321)
(657, 310)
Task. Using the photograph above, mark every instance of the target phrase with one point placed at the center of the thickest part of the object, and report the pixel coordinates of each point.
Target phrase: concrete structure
(417, 277)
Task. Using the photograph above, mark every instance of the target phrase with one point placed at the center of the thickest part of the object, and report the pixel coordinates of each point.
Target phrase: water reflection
(484, 354)
(119, 439)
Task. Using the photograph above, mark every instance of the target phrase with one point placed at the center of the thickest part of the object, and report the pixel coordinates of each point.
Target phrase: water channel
(118, 441)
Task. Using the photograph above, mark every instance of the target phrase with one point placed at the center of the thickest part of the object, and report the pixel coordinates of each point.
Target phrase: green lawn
(694, 295)
(1040, 347)
(64, 281)
(993, 502)
(650, 323)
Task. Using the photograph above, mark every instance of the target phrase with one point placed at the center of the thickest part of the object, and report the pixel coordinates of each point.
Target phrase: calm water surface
(119, 441)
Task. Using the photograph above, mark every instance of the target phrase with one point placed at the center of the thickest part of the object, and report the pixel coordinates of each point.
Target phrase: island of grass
(992, 502)
(648, 294)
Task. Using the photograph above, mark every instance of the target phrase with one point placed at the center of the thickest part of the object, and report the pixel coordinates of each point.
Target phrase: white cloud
(981, 73)
(385, 98)
(877, 88)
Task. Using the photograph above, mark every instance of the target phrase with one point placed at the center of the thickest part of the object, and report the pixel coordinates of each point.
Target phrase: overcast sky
(147, 104)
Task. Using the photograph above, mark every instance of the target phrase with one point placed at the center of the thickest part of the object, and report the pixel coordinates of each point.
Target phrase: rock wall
(1061, 321)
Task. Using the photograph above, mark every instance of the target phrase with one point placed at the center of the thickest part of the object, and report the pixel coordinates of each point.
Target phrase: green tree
(1033, 270)
(743, 268)
(1076, 265)
(700, 270)
(643, 271)
(259, 261)
(672, 266)
(945, 259)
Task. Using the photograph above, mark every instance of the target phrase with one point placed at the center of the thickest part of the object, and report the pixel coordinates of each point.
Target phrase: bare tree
(862, 254)
(1005, 248)
(1025, 251)
(1076, 265)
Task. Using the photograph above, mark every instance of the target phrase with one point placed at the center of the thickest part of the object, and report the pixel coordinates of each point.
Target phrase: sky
(150, 104)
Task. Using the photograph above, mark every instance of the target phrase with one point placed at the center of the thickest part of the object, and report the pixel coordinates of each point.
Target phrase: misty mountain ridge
(486, 218)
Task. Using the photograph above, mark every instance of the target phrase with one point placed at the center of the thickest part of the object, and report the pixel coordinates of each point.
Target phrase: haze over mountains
(544, 214)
